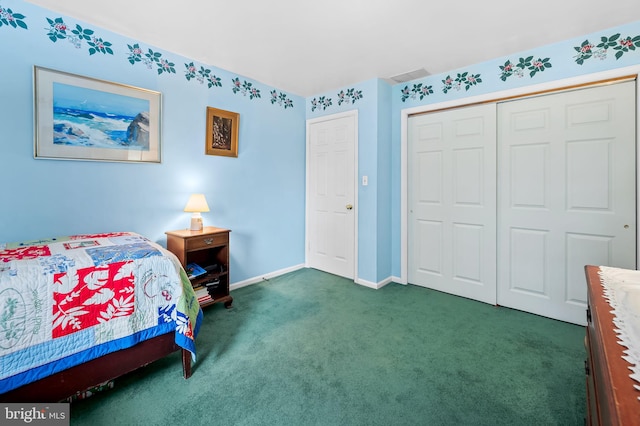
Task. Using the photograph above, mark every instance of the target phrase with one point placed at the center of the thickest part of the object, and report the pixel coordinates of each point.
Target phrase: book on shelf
(194, 270)
(202, 294)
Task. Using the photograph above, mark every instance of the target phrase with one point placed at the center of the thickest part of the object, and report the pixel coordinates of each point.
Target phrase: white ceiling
(307, 47)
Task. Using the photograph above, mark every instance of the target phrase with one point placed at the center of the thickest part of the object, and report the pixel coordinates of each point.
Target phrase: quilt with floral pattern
(67, 300)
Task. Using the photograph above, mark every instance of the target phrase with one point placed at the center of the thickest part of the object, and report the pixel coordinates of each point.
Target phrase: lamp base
(196, 223)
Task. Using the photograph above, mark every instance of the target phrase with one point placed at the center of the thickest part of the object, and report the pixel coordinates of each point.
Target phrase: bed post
(186, 363)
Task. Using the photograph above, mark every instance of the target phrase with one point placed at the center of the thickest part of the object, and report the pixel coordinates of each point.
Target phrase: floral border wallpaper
(589, 50)
(57, 29)
(149, 59)
(510, 69)
(10, 18)
(528, 67)
(348, 97)
(610, 46)
(613, 46)
(281, 99)
(201, 75)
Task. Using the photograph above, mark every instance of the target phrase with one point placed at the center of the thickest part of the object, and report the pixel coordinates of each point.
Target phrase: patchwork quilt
(70, 299)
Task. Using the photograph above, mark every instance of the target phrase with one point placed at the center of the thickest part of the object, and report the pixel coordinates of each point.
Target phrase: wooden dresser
(611, 397)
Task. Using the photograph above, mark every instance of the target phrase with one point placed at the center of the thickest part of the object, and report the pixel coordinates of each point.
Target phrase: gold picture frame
(222, 132)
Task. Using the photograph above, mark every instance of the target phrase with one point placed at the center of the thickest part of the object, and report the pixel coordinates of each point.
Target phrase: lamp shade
(197, 204)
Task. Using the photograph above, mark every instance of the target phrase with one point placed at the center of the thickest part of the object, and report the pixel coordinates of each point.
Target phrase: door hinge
(587, 371)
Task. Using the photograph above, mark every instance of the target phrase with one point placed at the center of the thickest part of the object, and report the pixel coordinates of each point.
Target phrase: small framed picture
(222, 132)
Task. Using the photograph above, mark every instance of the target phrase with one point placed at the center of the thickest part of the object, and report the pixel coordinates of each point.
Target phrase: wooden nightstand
(208, 248)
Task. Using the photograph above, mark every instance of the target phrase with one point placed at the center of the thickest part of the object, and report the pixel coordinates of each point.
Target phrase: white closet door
(566, 196)
(452, 202)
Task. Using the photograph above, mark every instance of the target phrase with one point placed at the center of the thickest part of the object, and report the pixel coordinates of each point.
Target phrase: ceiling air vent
(411, 75)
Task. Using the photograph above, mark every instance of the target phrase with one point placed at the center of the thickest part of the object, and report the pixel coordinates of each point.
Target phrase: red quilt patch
(92, 296)
(29, 252)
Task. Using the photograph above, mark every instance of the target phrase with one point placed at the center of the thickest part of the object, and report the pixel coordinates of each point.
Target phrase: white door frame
(354, 114)
(495, 96)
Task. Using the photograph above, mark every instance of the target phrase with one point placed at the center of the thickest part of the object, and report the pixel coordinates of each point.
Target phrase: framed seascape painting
(222, 132)
(83, 118)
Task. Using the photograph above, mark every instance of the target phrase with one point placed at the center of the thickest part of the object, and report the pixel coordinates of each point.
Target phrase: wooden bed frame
(67, 383)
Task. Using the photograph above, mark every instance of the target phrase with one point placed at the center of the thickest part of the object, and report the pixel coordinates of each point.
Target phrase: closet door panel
(566, 195)
(452, 207)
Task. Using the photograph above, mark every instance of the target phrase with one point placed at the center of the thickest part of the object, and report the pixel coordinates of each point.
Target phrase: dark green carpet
(309, 348)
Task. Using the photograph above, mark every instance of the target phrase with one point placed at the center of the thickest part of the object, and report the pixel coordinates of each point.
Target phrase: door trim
(354, 115)
(494, 97)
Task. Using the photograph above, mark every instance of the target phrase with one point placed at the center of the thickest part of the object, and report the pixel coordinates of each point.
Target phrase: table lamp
(196, 205)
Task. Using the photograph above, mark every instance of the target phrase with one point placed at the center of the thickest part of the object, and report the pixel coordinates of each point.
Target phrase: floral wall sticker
(418, 90)
(351, 96)
(281, 99)
(59, 30)
(201, 75)
(150, 58)
(12, 19)
(588, 50)
(509, 68)
(323, 102)
(244, 88)
(462, 79)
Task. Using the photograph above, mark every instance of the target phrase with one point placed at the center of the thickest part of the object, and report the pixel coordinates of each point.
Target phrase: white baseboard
(399, 280)
(270, 275)
(264, 277)
(373, 285)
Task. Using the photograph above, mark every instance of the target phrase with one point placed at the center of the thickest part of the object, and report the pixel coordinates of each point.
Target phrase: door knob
(349, 207)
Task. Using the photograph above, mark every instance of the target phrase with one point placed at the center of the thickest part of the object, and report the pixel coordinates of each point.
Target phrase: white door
(331, 203)
(566, 196)
(452, 201)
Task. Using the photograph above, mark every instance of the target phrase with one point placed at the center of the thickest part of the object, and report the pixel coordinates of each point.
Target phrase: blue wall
(384, 182)
(259, 195)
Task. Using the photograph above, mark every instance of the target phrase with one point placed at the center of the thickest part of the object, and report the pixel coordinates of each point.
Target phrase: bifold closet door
(452, 201)
(566, 195)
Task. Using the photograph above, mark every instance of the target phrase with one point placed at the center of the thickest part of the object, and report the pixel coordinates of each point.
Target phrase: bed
(80, 310)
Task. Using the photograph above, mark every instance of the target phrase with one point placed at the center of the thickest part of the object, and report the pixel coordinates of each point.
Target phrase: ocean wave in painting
(82, 128)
